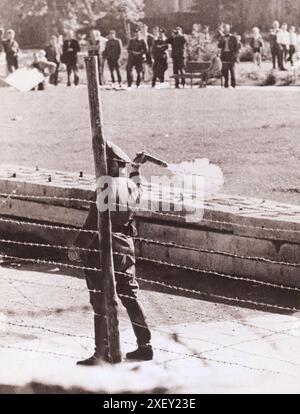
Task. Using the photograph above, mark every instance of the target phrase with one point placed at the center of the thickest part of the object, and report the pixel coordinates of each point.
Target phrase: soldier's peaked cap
(116, 153)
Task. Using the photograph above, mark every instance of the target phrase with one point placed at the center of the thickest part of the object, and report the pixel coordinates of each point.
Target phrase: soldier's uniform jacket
(159, 49)
(127, 193)
(137, 49)
(113, 49)
(178, 46)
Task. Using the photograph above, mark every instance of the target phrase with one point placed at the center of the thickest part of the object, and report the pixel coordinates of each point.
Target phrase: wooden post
(104, 218)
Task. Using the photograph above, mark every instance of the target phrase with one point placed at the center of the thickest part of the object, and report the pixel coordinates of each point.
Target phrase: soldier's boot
(100, 356)
(142, 353)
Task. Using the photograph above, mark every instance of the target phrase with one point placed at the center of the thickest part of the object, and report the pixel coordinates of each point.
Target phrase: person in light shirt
(283, 38)
(293, 44)
(298, 45)
(257, 45)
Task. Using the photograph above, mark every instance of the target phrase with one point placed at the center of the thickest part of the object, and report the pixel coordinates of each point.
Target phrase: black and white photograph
(149, 199)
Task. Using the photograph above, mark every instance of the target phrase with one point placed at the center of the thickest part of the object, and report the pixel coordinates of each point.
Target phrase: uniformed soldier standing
(137, 51)
(112, 53)
(159, 53)
(128, 192)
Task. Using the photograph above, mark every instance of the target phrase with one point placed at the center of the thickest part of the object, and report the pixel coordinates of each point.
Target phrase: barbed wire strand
(161, 284)
(165, 333)
(204, 220)
(158, 243)
(194, 313)
(188, 355)
(153, 261)
(217, 252)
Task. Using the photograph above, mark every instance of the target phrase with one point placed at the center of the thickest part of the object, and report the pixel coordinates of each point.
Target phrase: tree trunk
(127, 28)
(89, 10)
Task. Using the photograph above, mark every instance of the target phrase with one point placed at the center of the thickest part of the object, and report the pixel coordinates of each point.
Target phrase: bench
(195, 70)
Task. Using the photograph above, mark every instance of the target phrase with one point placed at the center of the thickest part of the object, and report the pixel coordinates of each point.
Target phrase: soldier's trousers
(127, 290)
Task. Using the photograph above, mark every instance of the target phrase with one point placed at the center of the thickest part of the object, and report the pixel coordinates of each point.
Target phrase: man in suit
(112, 53)
(137, 51)
(160, 57)
(229, 53)
(71, 48)
(178, 43)
(127, 192)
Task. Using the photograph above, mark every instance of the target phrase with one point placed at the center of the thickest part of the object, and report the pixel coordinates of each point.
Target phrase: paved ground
(201, 347)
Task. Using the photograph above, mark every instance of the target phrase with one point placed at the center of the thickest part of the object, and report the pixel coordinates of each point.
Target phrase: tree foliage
(74, 13)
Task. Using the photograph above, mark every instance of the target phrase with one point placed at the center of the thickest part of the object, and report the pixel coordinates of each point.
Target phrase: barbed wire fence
(51, 250)
(31, 253)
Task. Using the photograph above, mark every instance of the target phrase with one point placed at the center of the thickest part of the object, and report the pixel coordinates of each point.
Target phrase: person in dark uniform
(112, 53)
(53, 54)
(127, 193)
(137, 50)
(71, 48)
(178, 42)
(229, 52)
(160, 57)
(11, 49)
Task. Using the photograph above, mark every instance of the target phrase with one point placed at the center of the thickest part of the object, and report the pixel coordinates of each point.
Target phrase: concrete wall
(248, 238)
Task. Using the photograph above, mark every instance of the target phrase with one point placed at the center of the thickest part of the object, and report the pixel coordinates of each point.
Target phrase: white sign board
(25, 79)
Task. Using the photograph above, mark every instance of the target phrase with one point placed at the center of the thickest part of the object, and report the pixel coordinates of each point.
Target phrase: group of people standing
(151, 50)
(148, 53)
(58, 51)
(283, 44)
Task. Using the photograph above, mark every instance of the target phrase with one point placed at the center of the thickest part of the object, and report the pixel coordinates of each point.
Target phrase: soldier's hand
(140, 159)
(73, 254)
